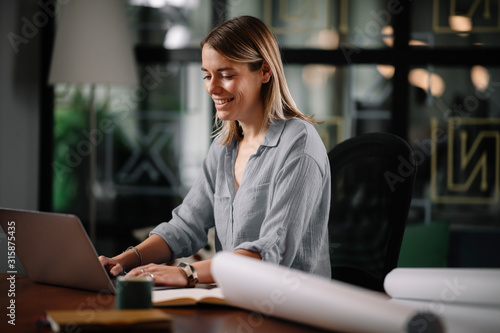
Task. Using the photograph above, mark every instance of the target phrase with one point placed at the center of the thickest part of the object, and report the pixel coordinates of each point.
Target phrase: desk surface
(33, 299)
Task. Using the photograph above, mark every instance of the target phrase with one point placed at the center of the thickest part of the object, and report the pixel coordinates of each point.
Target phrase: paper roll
(480, 286)
(295, 295)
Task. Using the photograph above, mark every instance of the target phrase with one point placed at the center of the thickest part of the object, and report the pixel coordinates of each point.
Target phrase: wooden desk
(33, 299)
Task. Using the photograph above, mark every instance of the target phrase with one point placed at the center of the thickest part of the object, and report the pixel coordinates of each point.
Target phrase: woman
(265, 183)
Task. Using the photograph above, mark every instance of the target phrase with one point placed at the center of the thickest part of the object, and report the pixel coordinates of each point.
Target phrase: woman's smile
(220, 103)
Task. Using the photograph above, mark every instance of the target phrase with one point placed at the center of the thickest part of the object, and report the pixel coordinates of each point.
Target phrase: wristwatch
(191, 274)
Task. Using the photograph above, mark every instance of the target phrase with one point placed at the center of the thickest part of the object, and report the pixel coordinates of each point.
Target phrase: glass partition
(455, 131)
(320, 24)
(458, 23)
(151, 141)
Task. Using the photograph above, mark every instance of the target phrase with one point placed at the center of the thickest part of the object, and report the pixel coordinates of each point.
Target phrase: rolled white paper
(480, 286)
(297, 296)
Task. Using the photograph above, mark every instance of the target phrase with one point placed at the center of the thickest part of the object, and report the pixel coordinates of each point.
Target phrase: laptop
(55, 249)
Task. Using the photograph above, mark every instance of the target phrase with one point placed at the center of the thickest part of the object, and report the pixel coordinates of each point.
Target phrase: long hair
(247, 39)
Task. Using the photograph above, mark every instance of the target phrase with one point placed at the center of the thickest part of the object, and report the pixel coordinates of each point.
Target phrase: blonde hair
(247, 39)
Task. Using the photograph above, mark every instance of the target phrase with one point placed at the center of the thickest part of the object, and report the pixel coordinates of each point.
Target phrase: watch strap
(191, 274)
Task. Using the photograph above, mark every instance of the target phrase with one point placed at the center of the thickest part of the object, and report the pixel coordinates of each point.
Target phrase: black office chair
(372, 182)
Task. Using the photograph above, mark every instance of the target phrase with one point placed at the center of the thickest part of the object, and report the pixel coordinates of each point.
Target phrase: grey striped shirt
(280, 209)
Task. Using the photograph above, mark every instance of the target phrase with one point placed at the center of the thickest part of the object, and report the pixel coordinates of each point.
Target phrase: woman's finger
(141, 270)
(117, 269)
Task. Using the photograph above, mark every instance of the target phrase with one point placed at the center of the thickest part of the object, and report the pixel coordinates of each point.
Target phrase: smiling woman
(265, 183)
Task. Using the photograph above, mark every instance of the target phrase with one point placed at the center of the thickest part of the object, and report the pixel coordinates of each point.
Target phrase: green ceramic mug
(134, 292)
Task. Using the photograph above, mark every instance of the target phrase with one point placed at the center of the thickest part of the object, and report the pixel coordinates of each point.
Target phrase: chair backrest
(372, 181)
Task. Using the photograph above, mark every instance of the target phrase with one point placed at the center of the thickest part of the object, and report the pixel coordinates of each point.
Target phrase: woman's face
(234, 88)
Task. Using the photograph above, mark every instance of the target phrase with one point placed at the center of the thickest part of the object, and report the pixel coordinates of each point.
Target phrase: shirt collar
(273, 133)
(272, 136)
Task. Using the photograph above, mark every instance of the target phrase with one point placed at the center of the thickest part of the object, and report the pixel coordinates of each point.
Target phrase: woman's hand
(162, 274)
(111, 265)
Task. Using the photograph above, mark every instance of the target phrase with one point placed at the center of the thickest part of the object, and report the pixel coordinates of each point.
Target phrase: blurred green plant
(70, 167)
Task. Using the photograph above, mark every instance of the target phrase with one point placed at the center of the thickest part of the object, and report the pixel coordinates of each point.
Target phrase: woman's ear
(266, 72)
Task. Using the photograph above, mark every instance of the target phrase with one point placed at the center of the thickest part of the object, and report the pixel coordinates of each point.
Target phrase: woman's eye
(224, 77)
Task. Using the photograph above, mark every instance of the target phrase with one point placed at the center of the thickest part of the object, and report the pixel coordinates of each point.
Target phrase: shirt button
(280, 231)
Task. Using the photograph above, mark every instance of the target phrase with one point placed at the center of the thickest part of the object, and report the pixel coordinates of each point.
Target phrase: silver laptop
(55, 249)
